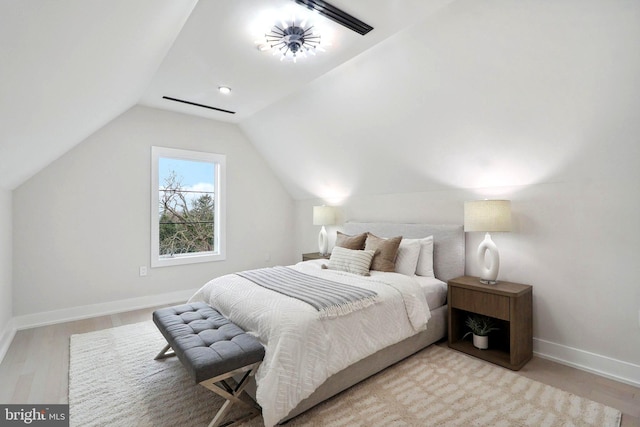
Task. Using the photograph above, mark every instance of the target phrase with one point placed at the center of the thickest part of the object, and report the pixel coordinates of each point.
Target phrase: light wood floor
(36, 368)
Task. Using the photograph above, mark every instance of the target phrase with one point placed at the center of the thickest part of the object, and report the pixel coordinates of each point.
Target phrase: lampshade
(487, 215)
(324, 215)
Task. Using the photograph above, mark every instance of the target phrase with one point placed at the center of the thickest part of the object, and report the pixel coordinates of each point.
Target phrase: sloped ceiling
(479, 94)
(443, 93)
(69, 67)
(217, 48)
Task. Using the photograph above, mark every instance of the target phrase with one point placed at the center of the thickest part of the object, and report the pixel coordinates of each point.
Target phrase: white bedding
(435, 291)
(302, 350)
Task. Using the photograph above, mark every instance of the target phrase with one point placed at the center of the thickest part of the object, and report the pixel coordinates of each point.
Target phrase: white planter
(480, 342)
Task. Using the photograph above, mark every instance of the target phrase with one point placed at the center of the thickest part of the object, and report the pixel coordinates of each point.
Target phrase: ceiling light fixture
(292, 40)
(225, 90)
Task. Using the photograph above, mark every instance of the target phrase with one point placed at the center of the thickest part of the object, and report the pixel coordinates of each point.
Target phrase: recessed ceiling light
(225, 90)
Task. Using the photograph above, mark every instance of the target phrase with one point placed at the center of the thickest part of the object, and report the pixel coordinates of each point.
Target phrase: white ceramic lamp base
(323, 242)
(488, 260)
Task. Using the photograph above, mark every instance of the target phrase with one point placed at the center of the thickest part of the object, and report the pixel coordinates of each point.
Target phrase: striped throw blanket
(330, 298)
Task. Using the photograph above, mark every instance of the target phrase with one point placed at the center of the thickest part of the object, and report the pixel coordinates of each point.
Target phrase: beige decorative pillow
(351, 261)
(386, 251)
(351, 242)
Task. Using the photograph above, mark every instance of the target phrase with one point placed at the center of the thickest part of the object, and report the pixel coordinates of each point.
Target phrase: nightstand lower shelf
(498, 357)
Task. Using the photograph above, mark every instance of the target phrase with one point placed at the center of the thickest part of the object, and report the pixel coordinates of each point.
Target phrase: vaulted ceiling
(71, 66)
(442, 93)
(217, 47)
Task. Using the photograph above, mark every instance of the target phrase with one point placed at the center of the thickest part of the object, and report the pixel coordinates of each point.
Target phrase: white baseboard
(6, 336)
(608, 367)
(101, 309)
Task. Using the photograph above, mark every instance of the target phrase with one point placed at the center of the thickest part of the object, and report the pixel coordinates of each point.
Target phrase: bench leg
(232, 394)
(163, 354)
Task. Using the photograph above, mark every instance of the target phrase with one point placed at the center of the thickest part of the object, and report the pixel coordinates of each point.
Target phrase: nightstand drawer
(480, 302)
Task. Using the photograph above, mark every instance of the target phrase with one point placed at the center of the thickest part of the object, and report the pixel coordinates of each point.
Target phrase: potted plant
(480, 327)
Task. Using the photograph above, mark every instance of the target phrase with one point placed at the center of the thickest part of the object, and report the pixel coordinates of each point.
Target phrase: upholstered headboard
(448, 242)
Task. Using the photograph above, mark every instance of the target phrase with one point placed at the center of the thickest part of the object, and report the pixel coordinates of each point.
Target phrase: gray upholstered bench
(212, 349)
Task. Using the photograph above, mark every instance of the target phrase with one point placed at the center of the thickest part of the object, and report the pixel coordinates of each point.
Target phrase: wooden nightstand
(509, 303)
(314, 255)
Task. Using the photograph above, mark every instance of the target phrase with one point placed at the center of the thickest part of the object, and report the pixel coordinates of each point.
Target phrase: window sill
(186, 259)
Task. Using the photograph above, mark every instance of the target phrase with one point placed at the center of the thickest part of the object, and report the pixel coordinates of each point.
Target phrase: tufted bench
(212, 349)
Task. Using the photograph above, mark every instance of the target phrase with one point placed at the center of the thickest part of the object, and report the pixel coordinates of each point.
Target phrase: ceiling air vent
(340, 16)
(198, 105)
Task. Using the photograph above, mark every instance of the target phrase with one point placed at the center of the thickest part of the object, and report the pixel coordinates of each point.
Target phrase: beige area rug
(114, 381)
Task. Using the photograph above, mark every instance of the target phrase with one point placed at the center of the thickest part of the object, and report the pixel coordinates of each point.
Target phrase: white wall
(6, 306)
(82, 225)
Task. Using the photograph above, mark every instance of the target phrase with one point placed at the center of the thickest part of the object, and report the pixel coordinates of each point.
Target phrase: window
(187, 207)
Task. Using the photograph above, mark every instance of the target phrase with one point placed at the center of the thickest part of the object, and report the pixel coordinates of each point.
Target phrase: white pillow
(350, 260)
(407, 258)
(425, 259)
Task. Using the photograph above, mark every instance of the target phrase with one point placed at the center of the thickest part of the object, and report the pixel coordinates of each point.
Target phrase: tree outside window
(187, 207)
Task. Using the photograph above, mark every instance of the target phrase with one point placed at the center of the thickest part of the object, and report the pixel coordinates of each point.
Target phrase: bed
(308, 358)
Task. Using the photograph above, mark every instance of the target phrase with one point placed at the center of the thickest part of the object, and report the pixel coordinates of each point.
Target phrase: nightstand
(314, 255)
(510, 304)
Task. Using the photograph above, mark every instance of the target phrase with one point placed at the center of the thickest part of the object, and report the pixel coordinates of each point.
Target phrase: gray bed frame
(448, 263)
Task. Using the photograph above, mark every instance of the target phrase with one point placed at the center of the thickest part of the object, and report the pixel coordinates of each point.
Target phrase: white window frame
(219, 254)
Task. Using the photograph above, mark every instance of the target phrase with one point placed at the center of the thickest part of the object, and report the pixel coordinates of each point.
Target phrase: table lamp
(323, 215)
(487, 216)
